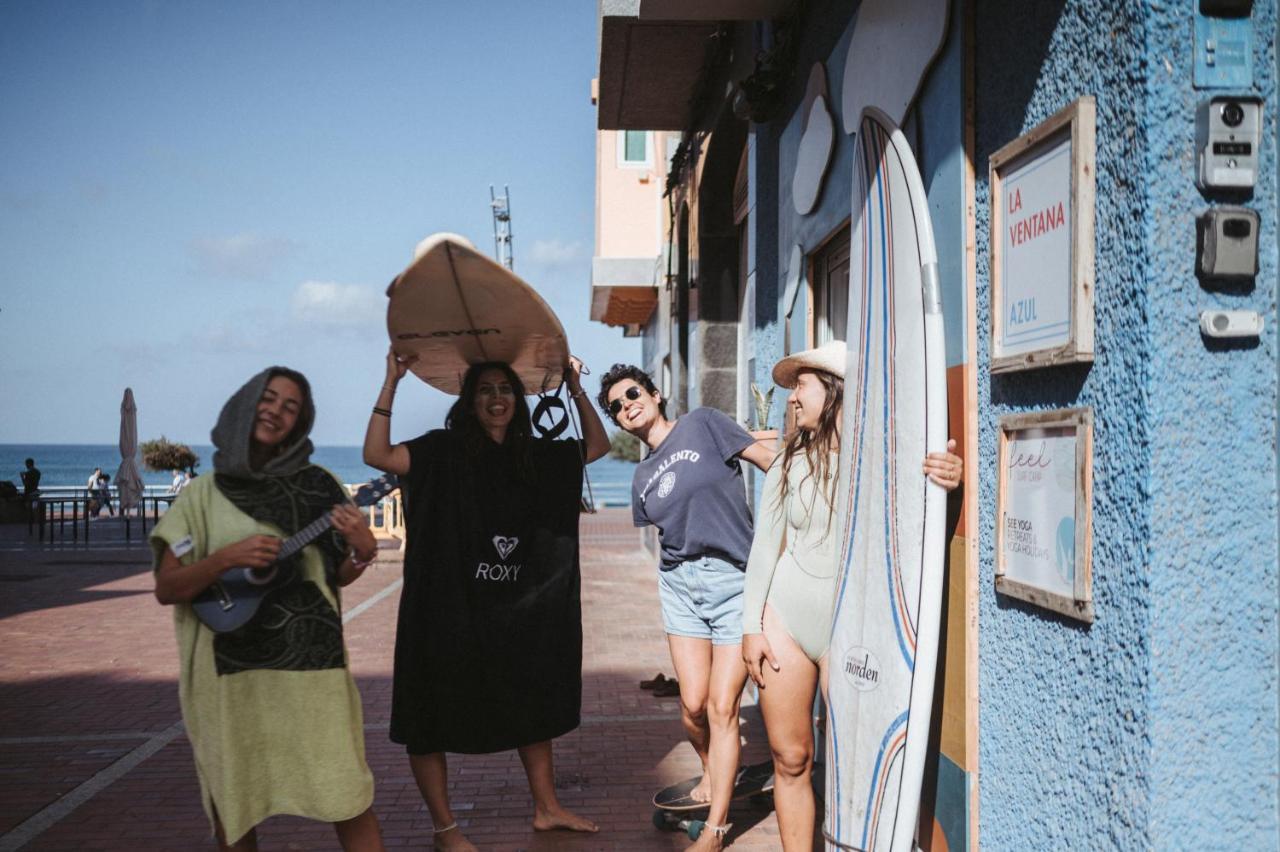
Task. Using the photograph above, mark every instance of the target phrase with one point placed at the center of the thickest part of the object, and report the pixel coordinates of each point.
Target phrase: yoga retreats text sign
(1043, 510)
(1042, 244)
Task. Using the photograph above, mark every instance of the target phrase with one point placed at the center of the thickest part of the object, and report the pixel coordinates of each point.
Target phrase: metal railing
(84, 491)
(386, 518)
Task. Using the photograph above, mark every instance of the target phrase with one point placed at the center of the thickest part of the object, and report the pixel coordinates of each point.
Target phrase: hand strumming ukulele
(233, 599)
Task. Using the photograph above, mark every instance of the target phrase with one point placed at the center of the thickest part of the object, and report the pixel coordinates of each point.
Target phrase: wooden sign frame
(1080, 604)
(1077, 121)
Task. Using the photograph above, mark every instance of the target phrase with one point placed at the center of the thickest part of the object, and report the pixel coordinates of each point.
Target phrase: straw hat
(829, 357)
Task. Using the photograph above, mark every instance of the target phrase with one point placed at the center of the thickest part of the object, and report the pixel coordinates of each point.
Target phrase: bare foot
(702, 792)
(557, 817)
(453, 840)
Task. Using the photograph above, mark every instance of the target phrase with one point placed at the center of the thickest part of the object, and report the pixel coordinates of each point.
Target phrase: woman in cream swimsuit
(792, 573)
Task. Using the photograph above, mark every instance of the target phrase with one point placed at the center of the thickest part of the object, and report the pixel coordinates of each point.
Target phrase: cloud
(223, 337)
(338, 306)
(241, 256)
(554, 253)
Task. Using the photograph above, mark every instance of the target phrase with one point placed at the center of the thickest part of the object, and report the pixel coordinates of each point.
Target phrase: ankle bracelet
(720, 830)
(450, 827)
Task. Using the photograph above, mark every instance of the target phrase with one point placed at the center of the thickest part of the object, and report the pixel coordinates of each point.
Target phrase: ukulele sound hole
(260, 576)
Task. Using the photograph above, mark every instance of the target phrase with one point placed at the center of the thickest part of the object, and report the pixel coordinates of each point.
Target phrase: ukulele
(233, 598)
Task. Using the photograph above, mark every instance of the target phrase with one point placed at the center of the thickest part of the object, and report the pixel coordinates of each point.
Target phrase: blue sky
(190, 192)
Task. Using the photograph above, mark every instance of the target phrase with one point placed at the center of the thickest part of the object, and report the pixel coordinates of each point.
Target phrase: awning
(624, 290)
(652, 53)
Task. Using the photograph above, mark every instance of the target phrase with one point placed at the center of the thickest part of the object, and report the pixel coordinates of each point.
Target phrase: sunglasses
(632, 393)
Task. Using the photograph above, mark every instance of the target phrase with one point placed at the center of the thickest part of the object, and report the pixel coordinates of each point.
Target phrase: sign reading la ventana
(1035, 254)
(1042, 199)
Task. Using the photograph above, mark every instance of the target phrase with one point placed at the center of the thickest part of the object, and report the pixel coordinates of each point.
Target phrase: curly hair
(617, 373)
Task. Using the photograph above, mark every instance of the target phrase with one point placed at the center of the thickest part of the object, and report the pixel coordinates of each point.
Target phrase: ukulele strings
(313, 530)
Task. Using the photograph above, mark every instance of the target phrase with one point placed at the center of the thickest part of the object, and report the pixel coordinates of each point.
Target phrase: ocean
(71, 464)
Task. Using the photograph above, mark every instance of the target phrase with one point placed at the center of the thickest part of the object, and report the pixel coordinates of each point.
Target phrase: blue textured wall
(825, 40)
(1213, 553)
(1157, 725)
(1063, 707)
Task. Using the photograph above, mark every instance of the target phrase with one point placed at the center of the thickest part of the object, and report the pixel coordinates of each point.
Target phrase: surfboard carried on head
(454, 307)
(884, 637)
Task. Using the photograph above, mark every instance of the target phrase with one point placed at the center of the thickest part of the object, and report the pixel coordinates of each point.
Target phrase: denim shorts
(702, 599)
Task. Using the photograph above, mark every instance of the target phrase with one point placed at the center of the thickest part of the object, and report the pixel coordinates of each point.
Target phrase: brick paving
(88, 706)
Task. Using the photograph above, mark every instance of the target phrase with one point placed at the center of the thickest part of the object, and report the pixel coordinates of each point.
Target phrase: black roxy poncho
(489, 640)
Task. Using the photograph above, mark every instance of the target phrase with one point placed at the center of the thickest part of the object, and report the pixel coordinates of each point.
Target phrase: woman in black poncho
(489, 639)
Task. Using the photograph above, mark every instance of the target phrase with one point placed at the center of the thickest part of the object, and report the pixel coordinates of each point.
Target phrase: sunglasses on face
(632, 393)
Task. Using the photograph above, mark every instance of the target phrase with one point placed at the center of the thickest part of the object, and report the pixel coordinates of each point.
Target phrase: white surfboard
(884, 639)
(454, 307)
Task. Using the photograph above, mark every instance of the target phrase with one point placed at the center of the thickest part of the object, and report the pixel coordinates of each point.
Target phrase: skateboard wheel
(660, 820)
(695, 828)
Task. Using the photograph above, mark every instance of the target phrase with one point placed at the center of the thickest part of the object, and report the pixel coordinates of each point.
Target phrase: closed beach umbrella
(128, 480)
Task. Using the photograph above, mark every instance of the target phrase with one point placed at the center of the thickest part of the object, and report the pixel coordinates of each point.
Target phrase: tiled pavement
(91, 756)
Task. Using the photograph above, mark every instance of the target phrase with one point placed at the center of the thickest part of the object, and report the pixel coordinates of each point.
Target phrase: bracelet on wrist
(361, 564)
(385, 412)
(391, 388)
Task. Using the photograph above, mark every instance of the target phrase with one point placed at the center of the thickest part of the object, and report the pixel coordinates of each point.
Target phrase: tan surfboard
(453, 307)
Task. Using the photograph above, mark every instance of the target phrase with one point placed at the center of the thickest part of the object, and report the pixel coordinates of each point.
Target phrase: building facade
(1155, 723)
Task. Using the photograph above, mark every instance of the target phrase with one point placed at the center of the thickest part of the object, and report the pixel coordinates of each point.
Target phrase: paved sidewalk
(92, 753)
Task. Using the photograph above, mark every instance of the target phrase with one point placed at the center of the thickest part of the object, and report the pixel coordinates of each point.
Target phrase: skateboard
(674, 807)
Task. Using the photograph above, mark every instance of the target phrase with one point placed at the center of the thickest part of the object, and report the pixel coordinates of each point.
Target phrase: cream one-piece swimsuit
(792, 566)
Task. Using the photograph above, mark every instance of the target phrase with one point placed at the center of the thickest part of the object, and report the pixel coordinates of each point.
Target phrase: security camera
(1228, 133)
(1232, 114)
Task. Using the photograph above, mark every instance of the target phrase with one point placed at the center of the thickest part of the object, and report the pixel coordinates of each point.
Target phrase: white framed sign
(1044, 510)
(1042, 241)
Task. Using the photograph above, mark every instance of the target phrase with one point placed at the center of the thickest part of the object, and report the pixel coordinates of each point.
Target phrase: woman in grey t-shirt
(690, 487)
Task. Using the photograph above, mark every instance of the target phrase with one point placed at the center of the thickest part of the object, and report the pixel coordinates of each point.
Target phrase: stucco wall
(1155, 727)
(1063, 750)
(779, 227)
(629, 202)
(1213, 726)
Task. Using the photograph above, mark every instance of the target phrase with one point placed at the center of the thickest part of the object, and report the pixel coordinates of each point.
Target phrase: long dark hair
(817, 444)
(462, 416)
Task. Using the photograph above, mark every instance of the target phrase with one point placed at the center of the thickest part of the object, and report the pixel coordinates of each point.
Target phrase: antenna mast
(501, 205)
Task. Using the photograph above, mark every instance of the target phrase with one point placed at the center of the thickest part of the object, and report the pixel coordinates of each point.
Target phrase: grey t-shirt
(690, 487)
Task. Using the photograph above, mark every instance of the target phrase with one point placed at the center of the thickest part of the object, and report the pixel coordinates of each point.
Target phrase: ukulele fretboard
(304, 536)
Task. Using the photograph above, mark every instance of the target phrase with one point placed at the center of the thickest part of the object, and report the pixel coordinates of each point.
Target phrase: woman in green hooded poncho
(271, 709)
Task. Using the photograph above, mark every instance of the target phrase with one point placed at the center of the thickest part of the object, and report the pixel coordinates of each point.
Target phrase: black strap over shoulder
(550, 417)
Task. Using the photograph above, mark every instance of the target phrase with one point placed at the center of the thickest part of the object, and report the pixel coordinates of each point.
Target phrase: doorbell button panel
(1227, 324)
